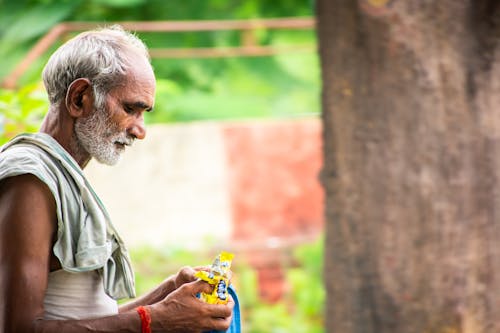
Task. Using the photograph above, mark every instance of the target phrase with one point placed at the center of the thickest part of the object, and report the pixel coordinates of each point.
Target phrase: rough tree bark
(411, 115)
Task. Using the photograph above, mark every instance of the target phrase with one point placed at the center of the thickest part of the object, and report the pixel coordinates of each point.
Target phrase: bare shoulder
(23, 188)
(26, 204)
(27, 215)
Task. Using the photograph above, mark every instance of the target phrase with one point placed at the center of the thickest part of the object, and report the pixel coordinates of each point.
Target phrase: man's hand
(182, 311)
(170, 284)
(186, 275)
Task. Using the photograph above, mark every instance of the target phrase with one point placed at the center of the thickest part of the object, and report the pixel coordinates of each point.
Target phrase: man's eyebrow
(139, 105)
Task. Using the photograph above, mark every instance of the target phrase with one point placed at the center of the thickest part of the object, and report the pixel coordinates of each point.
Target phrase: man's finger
(202, 268)
(221, 310)
(221, 324)
(200, 286)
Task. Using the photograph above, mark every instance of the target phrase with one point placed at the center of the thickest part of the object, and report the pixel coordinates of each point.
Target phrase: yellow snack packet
(218, 276)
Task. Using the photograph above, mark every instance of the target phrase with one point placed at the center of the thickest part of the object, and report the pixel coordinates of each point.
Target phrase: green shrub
(299, 311)
(21, 110)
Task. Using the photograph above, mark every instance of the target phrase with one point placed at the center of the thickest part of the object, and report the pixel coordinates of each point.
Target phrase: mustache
(124, 139)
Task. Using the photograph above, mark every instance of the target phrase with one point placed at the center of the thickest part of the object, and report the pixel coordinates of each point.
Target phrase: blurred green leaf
(21, 110)
(300, 311)
(190, 89)
(119, 3)
(34, 21)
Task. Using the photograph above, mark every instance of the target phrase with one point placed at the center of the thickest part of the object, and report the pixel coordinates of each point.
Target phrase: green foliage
(153, 265)
(21, 110)
(119, 3)
(39, 18)
(188, 89)
(300, 310)
(21, 23)
(308, 291)
(221, 89)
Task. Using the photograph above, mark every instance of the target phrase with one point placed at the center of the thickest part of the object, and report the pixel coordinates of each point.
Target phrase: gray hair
(98, 55)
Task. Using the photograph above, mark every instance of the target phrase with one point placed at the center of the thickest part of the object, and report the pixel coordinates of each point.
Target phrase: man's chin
(108, 160)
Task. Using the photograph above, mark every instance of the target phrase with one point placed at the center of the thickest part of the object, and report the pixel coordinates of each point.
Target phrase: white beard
(99, 137)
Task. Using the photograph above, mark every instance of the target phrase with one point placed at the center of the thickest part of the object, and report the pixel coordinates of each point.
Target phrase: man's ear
(79, 97)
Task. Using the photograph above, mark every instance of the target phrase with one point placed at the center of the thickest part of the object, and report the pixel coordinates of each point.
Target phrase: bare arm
(184, 275)
(27, 229)
(154, 296)
(27, 215)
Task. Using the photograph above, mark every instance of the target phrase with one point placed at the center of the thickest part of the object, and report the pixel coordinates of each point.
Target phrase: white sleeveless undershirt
(77, 296)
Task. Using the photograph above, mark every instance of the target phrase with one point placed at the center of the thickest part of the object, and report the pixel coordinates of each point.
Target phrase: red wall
(275, 191)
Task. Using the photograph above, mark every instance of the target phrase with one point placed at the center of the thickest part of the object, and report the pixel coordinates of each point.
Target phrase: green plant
(299, 311)
(280, 86)
(21, 110)
(216, 89)
(153, 265)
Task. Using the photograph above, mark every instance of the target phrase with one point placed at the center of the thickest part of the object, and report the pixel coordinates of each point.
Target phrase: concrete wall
(247, 182)
(170, 188)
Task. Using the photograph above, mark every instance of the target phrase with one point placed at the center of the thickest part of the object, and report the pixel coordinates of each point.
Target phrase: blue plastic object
(236, 322)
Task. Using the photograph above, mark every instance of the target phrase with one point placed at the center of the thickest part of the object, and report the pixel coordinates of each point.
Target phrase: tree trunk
(411, 116)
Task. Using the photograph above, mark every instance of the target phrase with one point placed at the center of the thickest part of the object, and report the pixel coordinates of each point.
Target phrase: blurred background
(233, 151)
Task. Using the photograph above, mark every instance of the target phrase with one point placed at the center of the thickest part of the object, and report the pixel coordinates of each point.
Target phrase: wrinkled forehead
(138, 85)
(139, 69)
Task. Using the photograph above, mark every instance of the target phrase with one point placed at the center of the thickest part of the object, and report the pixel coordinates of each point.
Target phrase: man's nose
(137, 128)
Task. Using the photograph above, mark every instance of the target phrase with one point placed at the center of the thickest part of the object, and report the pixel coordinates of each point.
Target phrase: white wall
(169, 188)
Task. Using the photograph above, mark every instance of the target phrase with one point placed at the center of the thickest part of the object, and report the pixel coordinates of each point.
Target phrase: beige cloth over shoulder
(86, 238)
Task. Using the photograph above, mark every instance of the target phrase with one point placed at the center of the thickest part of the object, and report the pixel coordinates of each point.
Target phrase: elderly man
(62, 263)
